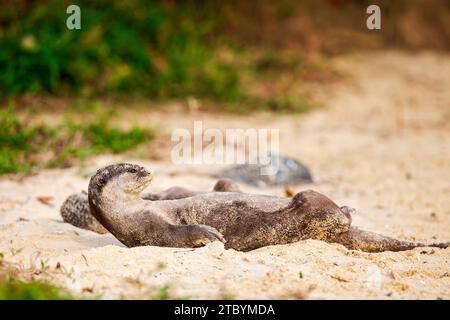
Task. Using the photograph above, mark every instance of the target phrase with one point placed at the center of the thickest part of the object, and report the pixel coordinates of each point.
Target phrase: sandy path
(381, 144)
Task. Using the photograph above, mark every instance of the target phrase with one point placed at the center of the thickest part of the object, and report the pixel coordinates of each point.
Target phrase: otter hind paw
(441, 245)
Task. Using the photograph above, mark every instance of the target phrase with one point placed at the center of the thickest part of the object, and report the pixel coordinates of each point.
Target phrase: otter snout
(144, 173)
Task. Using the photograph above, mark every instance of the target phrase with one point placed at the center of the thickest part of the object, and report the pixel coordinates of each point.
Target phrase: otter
(242, 221)
(222, 185)
(75, 209)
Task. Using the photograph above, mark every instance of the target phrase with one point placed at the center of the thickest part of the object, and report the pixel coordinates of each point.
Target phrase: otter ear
(298, 199)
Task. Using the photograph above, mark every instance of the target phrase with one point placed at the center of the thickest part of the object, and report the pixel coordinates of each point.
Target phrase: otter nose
(142, 172)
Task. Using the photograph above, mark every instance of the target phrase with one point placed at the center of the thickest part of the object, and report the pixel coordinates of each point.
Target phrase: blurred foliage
(25, 145)
(13, 289)
(162, 293)
(123, 46)
(173, 49)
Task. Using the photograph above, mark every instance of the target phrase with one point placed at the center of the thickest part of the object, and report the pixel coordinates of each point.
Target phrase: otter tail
(373, 242)
(75, 210)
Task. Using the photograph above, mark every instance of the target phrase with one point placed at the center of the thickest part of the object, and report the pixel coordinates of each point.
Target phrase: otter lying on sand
(75, 209)
(245, 221)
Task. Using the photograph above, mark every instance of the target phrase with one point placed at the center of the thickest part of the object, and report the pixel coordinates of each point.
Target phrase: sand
(380, 144)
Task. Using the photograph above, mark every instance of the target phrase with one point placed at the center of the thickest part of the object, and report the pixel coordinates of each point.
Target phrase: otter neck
(115, 208)
(115, 199)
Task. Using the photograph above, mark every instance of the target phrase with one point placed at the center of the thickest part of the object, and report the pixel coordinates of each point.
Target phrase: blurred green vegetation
(162, 293)
(177, 49)
(123, 47)
(14, 289)
(25, 146)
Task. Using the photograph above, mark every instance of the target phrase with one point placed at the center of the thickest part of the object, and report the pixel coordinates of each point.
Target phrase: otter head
(119, 179)
(226, 185)
(325, 218)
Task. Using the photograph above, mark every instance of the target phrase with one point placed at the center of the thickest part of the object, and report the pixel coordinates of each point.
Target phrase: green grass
(13, 289)
(162, 293)
(25, 146)
(138, 49)
(284, 103)
(148, 48)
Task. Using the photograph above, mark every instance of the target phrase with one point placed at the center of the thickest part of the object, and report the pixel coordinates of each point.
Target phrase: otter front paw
(200, 235)
(150, 196)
